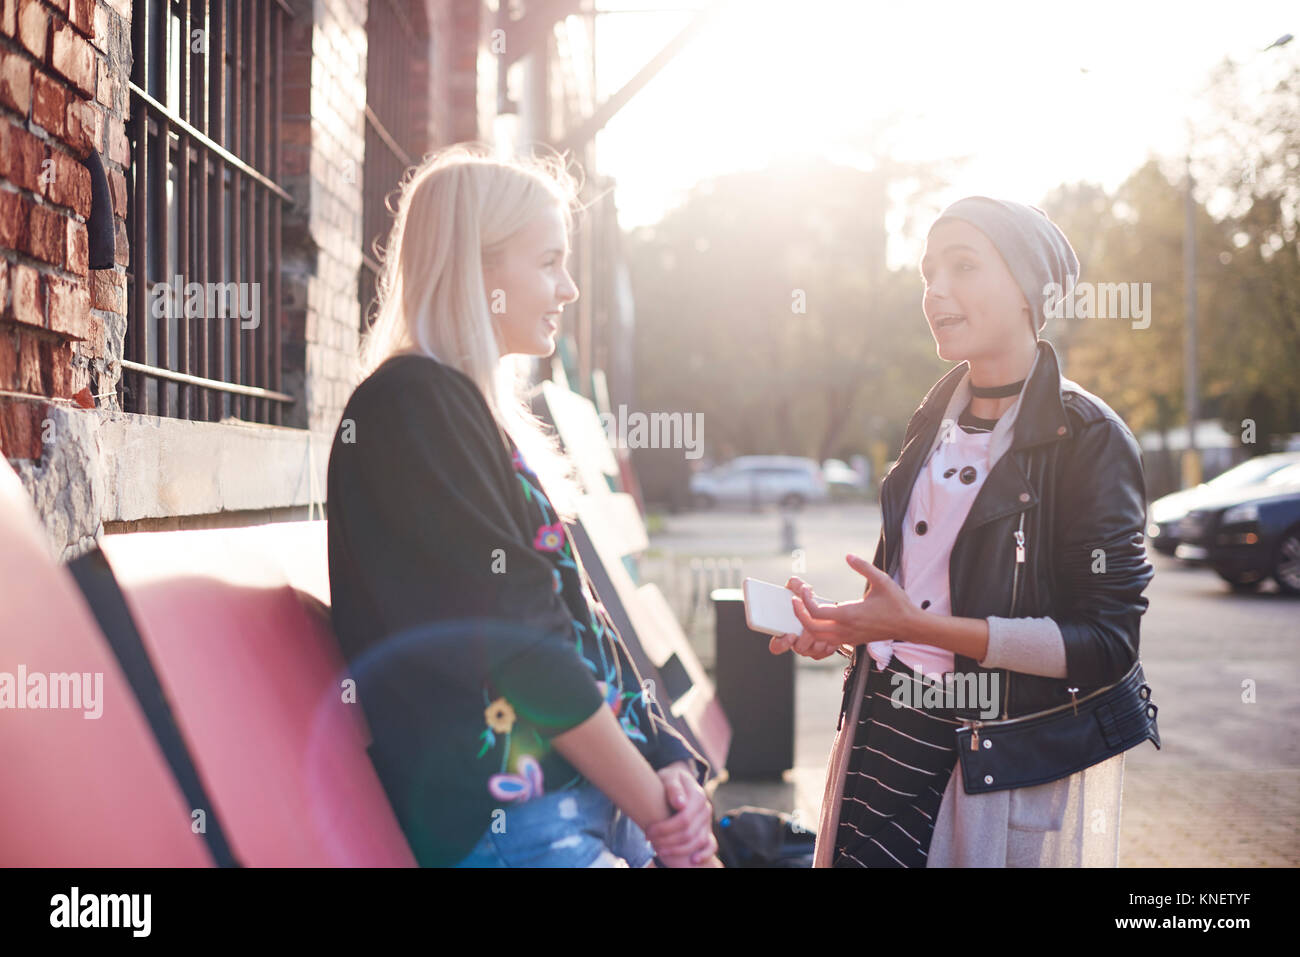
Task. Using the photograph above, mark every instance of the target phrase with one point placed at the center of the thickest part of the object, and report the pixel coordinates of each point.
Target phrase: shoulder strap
(95, 578)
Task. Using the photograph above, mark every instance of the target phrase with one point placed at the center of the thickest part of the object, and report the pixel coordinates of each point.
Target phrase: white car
(785, 480)
(844, 481)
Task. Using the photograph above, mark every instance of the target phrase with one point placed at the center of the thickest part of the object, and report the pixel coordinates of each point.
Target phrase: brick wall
(458, 29)
(324, 159)
(63, 72)
(65, 69)
(324, 146)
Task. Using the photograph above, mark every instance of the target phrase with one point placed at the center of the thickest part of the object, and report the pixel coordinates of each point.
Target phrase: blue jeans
(578, 827)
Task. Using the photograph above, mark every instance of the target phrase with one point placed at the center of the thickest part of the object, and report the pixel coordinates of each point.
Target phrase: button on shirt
(941, 498)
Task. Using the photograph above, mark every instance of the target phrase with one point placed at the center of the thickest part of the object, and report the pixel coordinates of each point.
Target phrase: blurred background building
(253, 143)
(763, 278)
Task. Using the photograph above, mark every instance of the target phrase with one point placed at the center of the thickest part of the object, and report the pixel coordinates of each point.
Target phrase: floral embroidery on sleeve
(592, 631)
(527, 780)
(550, 538)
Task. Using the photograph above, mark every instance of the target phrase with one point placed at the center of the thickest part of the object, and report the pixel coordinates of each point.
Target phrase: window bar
(201, 72)
(161, 174)
(263, 218)
(251, 238)
(236, 196)
(183, 210)
(134, 382)
(256, 203)
(248, 213)
(272, 307)
(216, 363)
(229, 387)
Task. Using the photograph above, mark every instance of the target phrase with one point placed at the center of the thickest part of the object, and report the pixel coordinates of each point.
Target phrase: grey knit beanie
(1034, 248)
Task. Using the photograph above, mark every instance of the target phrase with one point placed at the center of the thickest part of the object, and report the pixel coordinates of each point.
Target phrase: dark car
(1249, 535)
(1165, 513)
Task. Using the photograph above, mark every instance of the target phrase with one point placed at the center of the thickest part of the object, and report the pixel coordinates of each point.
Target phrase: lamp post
(1191, 458)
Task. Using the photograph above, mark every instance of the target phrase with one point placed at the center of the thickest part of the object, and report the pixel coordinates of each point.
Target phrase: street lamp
(1192, 460)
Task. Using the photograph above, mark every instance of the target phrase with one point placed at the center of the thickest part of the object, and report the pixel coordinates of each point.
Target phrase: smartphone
(768, 610)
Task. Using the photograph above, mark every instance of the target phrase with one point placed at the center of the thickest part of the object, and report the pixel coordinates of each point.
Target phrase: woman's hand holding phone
(884, 612)
(804, 643)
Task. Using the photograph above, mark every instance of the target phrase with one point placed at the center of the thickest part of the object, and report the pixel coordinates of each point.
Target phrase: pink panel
(76, 791)
(254, 677)
(714, 733)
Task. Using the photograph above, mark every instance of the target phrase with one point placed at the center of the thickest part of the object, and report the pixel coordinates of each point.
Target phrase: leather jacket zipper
(1039, 714)
(1019, 535)
(1015, 592)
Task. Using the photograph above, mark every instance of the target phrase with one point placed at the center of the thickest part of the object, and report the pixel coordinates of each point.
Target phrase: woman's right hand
(802, 643)
(685, 839)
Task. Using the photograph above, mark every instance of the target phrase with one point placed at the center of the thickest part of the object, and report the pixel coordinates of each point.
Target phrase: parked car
(1249, 534)
(1165, 513)
(843, 481)
(761, 480)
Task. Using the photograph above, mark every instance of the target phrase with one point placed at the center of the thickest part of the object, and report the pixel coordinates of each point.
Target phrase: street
(1224, 790)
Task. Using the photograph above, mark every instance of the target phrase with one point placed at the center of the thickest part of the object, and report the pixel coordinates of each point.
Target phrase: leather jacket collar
(1041, 416)
(1038, 417)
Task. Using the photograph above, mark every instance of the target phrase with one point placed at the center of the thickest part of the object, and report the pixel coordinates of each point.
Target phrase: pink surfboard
(258, 688)
(76, 791)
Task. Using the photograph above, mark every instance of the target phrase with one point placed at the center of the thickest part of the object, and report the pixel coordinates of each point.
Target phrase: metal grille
(205, 206)
(396, 133)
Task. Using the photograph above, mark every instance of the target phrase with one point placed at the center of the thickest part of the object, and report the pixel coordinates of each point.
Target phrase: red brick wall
(64, 68)
(64, 72)
(456, 26)
(323, 136)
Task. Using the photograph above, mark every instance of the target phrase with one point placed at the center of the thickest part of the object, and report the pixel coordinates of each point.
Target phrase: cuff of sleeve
(1032, 646)
(550, 686)
(672, 748)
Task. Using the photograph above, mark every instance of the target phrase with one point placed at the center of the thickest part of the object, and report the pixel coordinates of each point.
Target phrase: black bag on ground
(759, 837)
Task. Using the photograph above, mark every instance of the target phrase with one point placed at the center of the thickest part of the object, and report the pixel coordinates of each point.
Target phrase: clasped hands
(685, 839)
(883, 612)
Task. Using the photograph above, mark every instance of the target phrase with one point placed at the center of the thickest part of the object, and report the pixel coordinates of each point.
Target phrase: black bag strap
(94, 576)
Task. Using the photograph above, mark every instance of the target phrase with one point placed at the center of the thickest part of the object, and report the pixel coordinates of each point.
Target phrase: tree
(763, 302)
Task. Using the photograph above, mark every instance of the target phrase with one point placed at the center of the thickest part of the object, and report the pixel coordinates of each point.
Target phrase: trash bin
(756, 690)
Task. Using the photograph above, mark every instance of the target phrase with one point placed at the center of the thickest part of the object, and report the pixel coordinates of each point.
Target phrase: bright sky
(1002, 83)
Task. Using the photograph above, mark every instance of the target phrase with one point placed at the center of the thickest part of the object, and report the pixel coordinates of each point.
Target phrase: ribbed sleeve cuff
(1032, 646)
(672, 748)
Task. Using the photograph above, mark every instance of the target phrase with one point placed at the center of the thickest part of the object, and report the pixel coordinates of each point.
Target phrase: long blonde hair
(459, 206)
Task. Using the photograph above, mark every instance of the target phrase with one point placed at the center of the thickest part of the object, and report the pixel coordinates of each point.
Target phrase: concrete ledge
(154, 467)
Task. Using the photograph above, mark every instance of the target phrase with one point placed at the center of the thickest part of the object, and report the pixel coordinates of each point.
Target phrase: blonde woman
(509, 724)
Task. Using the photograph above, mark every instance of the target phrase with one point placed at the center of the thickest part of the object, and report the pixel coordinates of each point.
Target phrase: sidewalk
(1174, 815)
(1223, 792)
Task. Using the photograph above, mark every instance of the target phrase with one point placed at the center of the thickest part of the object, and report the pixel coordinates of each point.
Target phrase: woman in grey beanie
(1007, 583)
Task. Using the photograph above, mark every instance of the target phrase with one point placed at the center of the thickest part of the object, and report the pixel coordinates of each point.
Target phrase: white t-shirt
(941, 498)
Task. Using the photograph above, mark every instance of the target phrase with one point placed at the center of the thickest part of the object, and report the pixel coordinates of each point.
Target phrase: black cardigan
(467, 622)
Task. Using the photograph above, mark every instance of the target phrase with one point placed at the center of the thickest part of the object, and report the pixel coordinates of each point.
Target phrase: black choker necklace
(995, 391)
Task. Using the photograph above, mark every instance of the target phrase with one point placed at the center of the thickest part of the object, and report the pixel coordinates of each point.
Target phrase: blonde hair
(458, 207)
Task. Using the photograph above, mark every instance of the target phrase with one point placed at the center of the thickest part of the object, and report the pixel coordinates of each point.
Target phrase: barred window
(204, 212)
(397, 34)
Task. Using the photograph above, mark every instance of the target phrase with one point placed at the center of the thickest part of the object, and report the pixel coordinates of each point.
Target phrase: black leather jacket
(1074, 472)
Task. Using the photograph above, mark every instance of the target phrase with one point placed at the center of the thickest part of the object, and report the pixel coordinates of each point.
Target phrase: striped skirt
(901, 761)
